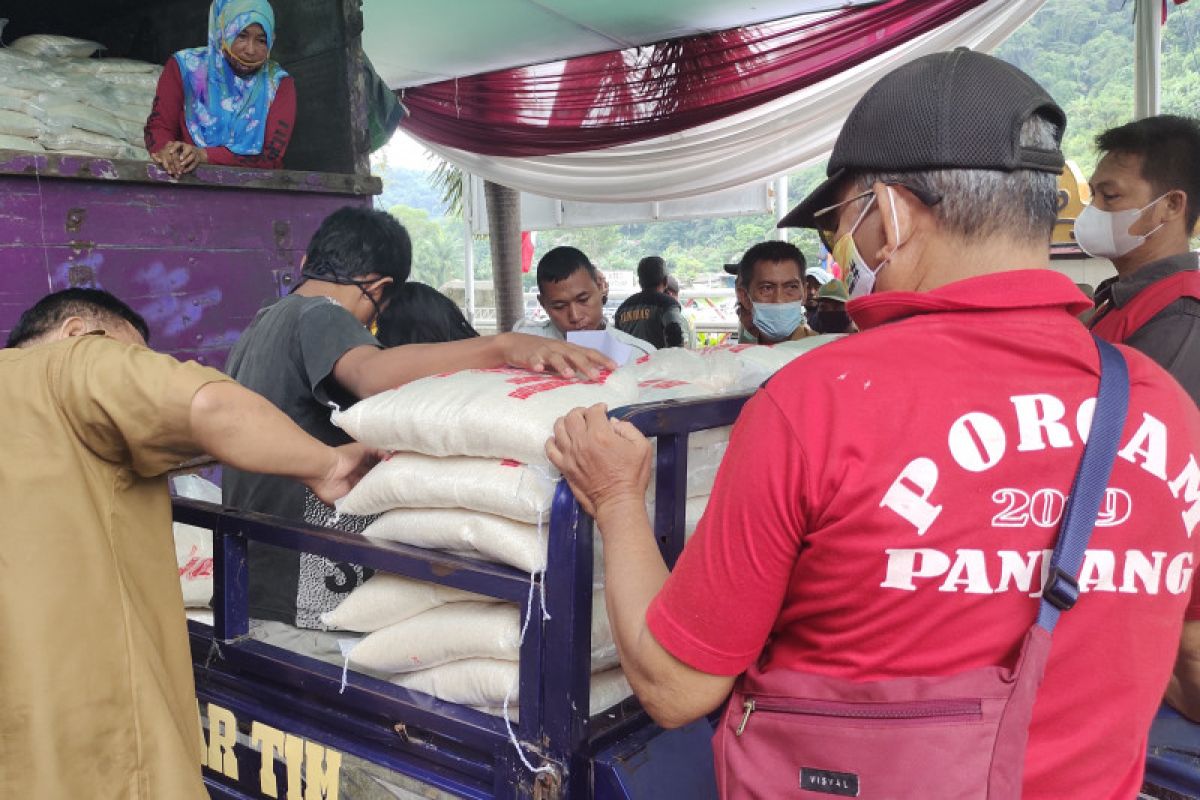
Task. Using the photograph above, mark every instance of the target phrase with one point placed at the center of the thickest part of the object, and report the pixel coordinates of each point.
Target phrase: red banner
(614, 98)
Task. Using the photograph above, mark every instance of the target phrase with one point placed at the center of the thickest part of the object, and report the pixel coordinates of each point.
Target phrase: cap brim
(823, 196)
(732, 269)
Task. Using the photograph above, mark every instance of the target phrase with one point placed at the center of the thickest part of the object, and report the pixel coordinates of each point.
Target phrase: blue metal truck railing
(464, 752)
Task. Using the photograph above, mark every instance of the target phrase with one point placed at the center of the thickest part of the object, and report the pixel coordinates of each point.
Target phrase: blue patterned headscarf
(222, 109)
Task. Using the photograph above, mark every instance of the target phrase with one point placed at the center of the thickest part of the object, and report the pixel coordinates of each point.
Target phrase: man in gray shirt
(312, 350)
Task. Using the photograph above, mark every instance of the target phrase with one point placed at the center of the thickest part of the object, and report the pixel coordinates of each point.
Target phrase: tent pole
(781, 206)
(1147, 58)
(469, 247)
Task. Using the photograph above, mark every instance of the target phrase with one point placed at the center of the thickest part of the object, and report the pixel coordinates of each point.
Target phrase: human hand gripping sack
(540, 354)
(348, 464)
(605, 461)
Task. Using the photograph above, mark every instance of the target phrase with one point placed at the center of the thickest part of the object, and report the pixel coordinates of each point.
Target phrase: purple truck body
(196, 257)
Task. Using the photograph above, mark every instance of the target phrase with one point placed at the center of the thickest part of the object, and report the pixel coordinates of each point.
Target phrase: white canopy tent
(441, 40)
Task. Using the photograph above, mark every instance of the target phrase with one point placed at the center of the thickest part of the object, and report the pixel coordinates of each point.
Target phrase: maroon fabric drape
(602, 100)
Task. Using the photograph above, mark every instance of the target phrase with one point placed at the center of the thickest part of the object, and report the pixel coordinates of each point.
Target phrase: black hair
(771, 250)
(420, 314)
(561, 263)
(651, 272)
(356, 241)
(53, 309)
(1170, 149)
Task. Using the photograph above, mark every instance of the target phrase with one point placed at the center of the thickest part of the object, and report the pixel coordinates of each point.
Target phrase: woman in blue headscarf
(226, 103)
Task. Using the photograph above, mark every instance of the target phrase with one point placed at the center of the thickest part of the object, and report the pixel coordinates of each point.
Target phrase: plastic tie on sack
(512, 736)
(345, 645)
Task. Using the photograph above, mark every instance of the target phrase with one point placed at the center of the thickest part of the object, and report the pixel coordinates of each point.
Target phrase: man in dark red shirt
(886, 503)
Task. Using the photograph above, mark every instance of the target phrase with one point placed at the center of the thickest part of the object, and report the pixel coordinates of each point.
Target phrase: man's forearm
(634, 572)
(381, 370)
(245, 431)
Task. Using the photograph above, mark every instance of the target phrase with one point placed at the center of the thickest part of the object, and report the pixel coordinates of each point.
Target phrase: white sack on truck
(450, 632)
(79, 105)
(456, 530)
(454, 631)
(48, 45)
(483, 684)
(486, 413)
(407, 480)
(386, 599)
(607, 689)
(194, 546)
(18, 143)
(18, 123)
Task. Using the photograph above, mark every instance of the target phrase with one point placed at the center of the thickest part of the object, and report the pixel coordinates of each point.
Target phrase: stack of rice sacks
(55, 96)
(468, 475)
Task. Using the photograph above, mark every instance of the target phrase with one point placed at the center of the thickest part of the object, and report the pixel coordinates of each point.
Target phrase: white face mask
(860, 278)
(1105, 234)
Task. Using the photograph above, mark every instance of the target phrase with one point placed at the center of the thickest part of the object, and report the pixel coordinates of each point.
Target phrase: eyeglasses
(827, 221)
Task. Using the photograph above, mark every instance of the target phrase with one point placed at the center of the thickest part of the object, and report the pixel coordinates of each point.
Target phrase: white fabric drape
(775, 138)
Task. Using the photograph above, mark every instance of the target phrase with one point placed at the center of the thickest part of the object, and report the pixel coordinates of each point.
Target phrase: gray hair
(983, 203)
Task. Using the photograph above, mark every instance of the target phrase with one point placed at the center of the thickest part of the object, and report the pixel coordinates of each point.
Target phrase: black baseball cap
(953, 110)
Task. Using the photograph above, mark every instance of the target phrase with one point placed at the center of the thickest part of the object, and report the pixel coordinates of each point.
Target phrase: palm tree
(504, 227)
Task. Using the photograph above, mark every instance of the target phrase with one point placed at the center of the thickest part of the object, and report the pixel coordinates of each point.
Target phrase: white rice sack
(471, 681)
(607, 689)
(386, 599)
(705, 450)
(760, 362)
(446, 633)
(140, 81)
(466, 629)
(11, 60)
(693, 511)
(47, 45)
(675, 373)
(407, 480)
(57, 114)
(14, 99)
(134, 113)
(133, 131)
(13, 102)
(19, 143)
(18, 123)
(496, 413)
(202, 615)
(24, 79)
(455, 530)
(194, 557)
(111, 66)
(604, 649)
(84, 143)
(194, 546)
(130, 96)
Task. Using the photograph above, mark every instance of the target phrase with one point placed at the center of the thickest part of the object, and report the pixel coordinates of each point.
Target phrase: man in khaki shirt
(96, 691)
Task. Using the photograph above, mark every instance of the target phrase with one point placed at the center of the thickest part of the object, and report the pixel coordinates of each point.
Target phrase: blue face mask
(778, 321)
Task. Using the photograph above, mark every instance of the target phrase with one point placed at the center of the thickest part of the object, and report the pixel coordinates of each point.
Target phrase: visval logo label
(841, 784)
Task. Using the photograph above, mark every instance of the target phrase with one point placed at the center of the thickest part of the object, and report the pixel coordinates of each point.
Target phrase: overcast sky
(405, 152)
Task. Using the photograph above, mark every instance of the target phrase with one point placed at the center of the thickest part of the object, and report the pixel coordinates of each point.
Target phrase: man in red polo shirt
(886, 503)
